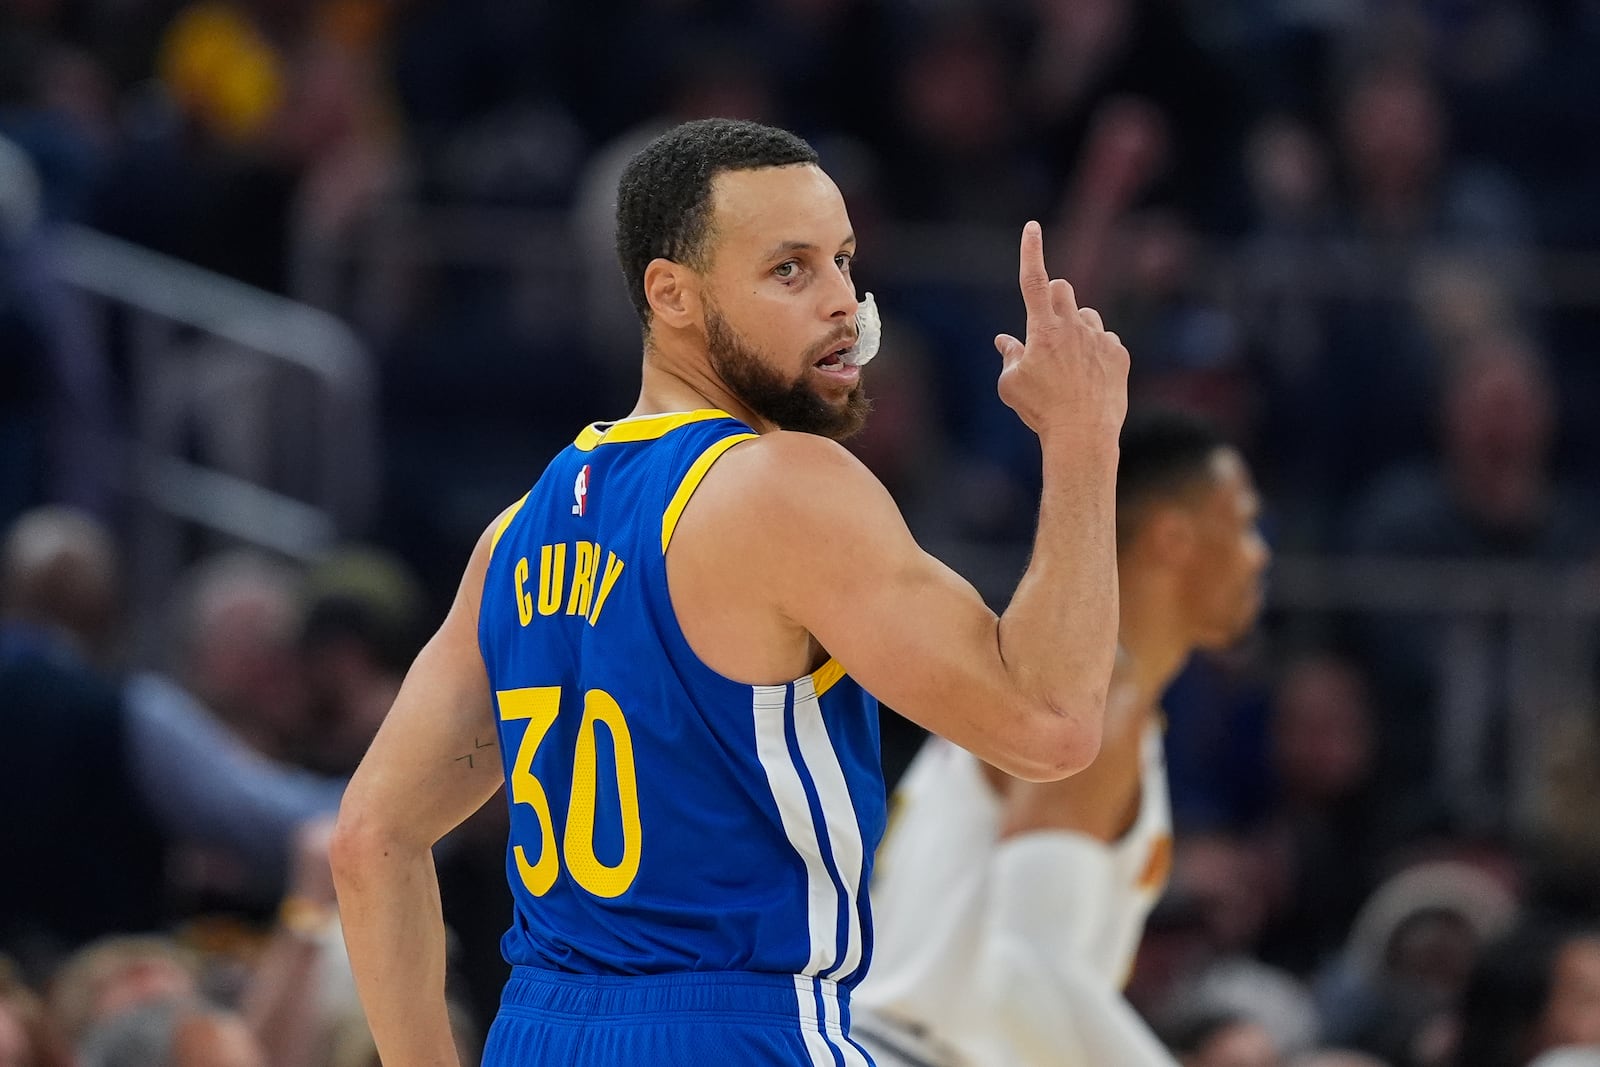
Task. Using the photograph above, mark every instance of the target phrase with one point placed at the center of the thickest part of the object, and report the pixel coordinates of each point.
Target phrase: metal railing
(252, 415)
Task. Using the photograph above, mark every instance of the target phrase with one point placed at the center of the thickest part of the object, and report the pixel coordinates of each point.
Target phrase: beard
(790, 405)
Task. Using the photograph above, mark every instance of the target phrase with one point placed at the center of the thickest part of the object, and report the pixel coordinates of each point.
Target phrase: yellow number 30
(540, 705)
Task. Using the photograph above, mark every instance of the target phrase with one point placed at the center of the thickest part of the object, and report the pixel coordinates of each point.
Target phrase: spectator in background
(136, 768)
(1223, 1039)
(1323, 836)
(56, 403)
(1289, 264)
(1202, 962)
(180, 1033)
(960, 151)
(1565, 834)
(363, 626)
(1534, 991)
(1394, 990)
(1079, 55)
(65, 758)
(60, 586)
(1490, 493)
(1337, 1057)
(115, 975)
(27, 1038)
(1406, 197)
(232, 647)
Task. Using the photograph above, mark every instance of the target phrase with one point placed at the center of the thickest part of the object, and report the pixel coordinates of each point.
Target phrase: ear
(673, 291)
(1171, 536)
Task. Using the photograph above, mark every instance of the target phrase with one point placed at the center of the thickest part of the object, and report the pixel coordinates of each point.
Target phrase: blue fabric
(728, 877)
(692, 1020)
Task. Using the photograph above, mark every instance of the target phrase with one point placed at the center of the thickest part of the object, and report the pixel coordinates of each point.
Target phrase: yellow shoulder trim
(505, 521)
(824, 677)
(641, 428)
(691, 482)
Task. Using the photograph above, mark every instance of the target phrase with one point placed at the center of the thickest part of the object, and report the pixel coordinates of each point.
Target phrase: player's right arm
(415, 785)
(823, 541)
(1102, 801)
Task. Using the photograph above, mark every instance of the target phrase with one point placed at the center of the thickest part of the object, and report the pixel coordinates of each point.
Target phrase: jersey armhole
(505, 522)
(691, 481)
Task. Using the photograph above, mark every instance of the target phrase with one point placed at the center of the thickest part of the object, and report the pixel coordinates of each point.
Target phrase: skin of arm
(825, 561)
(283, 1003)
(1101, 801)
(410, 791)
(822, 538)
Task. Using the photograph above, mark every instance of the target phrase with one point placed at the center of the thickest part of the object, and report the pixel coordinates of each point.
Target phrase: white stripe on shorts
(833, 1027)
(805, 992)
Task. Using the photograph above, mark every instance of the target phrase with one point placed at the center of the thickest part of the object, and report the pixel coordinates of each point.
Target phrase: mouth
(833, 364)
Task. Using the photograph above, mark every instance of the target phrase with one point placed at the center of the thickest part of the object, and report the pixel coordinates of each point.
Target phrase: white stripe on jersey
(838, 814)
(805, 993)
(822, 897)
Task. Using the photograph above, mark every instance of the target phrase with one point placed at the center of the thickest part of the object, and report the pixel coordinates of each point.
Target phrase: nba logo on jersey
(580, 492)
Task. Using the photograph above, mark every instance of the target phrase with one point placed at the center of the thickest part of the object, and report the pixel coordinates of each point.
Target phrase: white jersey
(930, 995)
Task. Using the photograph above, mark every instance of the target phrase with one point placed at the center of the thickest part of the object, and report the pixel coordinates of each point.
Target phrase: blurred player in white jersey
(1008, 913)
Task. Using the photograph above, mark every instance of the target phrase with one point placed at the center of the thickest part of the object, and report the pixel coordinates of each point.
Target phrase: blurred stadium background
(296, 294)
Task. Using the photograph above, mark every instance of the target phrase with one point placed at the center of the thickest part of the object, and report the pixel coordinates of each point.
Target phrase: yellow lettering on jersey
(539, 705)
(583, 568)
(552, 577)
(613, 572)
(524, 601)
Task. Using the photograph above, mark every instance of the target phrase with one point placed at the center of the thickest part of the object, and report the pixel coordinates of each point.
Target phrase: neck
(674, 379)
(1154, 634)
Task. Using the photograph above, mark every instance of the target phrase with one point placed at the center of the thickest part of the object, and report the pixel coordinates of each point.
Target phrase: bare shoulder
(784, 465)
(784, 486)
(780, 541)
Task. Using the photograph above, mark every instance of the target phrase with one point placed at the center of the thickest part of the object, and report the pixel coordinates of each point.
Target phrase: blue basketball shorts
(698, 1019)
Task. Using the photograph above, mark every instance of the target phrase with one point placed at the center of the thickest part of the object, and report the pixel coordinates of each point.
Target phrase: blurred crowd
(1359, 236)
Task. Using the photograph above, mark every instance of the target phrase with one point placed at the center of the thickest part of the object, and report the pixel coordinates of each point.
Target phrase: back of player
(641, 932)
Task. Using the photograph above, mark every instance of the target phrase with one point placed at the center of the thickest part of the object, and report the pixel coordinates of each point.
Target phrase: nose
(839, 296)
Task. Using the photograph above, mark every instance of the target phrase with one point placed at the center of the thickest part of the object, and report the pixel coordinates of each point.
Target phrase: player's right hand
(1071, 375)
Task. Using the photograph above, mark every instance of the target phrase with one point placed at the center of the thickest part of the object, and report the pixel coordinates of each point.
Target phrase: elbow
(1066, 741)
(347, 846)
(361, 842)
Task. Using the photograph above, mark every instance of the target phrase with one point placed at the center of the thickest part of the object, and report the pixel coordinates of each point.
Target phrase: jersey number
(540, 705)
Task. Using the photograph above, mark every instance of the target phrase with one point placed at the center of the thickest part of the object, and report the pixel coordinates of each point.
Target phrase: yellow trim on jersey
(505, 521)
(641, 427)
(691, 482)
(824, 677)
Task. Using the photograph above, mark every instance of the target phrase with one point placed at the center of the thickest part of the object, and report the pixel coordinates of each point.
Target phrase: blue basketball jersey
(663, 818)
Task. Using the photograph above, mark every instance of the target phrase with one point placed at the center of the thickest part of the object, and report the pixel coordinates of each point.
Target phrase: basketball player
(672, 636)
(1009, 911)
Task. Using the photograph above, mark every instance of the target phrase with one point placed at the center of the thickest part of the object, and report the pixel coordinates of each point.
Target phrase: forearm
(394, 931)
(1058, 636)
(206, 785)
(283, 1002)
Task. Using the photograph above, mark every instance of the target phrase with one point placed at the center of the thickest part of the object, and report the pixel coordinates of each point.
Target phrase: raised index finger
(1034, 278)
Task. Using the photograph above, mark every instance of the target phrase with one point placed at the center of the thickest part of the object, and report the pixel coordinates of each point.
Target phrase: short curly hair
(664, 196)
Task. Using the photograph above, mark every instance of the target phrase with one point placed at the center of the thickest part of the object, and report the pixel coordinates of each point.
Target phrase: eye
(843, 261)
(786, 269)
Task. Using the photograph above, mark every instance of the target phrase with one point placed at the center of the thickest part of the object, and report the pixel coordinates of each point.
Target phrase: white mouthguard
(869, 333)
